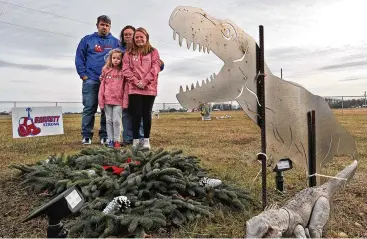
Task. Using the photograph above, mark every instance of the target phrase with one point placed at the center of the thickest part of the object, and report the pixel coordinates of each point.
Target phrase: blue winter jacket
(89, 58)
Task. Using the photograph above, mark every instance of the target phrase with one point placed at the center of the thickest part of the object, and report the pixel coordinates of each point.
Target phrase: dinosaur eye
(228, 31)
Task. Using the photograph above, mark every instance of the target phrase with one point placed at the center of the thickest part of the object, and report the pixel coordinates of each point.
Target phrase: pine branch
(163, 188)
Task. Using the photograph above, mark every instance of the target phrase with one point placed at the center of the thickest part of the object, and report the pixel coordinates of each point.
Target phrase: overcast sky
(321, 45)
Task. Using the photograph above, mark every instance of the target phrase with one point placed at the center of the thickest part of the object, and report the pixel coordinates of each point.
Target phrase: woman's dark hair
(122, 34)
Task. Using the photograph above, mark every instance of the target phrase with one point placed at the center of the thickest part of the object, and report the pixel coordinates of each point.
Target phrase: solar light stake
(279, 181)
(66, 203)
(282, 165)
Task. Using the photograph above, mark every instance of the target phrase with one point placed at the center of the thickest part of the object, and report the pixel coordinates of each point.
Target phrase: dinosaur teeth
(192, 86)
(180, 40)
(205, 49)
(181, 89)
(207, 80)
(188, 42)
(214, 75)
(197, 84)
(211, 78)
(187, 88)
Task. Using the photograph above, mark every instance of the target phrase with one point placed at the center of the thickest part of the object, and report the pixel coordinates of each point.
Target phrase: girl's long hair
(108, 63)
(145, 50)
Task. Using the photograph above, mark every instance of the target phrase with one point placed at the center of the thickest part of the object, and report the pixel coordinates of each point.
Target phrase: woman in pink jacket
(141, 68)
(111, 96)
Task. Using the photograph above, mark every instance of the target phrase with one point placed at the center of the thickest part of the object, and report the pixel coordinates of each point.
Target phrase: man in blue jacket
(89, 60)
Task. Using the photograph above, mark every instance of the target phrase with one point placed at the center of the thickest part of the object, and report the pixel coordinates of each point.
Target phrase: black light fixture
(282, 165)
(68, 202)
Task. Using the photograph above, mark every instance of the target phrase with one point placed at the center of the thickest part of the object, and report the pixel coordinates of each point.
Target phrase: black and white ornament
(119, 203)
(210, 182)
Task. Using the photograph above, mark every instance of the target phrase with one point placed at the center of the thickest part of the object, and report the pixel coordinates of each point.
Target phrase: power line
(35, 10)
(36, 29)
(60, 16)
(76, 20)
(65, 35)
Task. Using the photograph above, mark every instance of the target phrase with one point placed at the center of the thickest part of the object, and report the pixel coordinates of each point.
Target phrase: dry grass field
(227, 147)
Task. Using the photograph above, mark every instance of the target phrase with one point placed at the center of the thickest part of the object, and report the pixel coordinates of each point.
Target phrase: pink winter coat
(111, 90)
(144, 69)
(125, 99)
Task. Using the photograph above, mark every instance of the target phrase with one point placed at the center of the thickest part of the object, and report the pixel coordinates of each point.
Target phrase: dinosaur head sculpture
(226, 40)
(261, 226)
(286, 103)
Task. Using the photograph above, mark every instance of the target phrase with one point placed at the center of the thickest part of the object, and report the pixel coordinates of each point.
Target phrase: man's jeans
(127, 124)
(90, 102)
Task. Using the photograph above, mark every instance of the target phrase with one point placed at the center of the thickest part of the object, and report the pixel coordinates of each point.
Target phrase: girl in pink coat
(111, 96)
(141, 68)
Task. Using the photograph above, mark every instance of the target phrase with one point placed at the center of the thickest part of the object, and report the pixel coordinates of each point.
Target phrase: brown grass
(226, 147)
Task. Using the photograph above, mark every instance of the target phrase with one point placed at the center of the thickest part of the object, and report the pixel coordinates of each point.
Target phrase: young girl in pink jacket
(111, 96)
(141, 68)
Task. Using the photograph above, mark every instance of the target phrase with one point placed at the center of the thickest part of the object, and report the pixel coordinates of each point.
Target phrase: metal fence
(74, 107)
(346, 102)
(335, 102)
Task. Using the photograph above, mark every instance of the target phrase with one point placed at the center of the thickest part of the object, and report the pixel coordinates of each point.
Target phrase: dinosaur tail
(341, 179)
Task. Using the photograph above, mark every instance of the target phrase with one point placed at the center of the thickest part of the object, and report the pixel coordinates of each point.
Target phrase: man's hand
(160, 62)
(84, 78)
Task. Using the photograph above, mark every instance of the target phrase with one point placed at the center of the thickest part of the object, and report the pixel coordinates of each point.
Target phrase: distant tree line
(173, 110)
(339, 103)
(226, 107)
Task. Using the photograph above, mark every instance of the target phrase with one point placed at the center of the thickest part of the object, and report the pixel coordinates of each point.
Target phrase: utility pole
(281, 73)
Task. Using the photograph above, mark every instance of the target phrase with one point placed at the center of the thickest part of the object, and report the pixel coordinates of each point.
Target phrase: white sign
(283, 165)
(37, 121)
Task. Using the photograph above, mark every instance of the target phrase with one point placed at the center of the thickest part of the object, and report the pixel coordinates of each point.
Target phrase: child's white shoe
(141, 142)
(136, 143)
(146, 143)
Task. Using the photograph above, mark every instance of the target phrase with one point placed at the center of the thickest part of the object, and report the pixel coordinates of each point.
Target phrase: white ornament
(210, 182)
(118, 203)
(91, 172)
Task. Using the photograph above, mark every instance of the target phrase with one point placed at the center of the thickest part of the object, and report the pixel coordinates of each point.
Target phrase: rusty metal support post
(261, 112)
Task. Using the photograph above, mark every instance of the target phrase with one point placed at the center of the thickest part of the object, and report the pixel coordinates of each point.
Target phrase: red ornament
(115, 170)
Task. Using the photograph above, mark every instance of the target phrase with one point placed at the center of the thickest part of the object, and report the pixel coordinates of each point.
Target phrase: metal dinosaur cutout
(287, 103)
